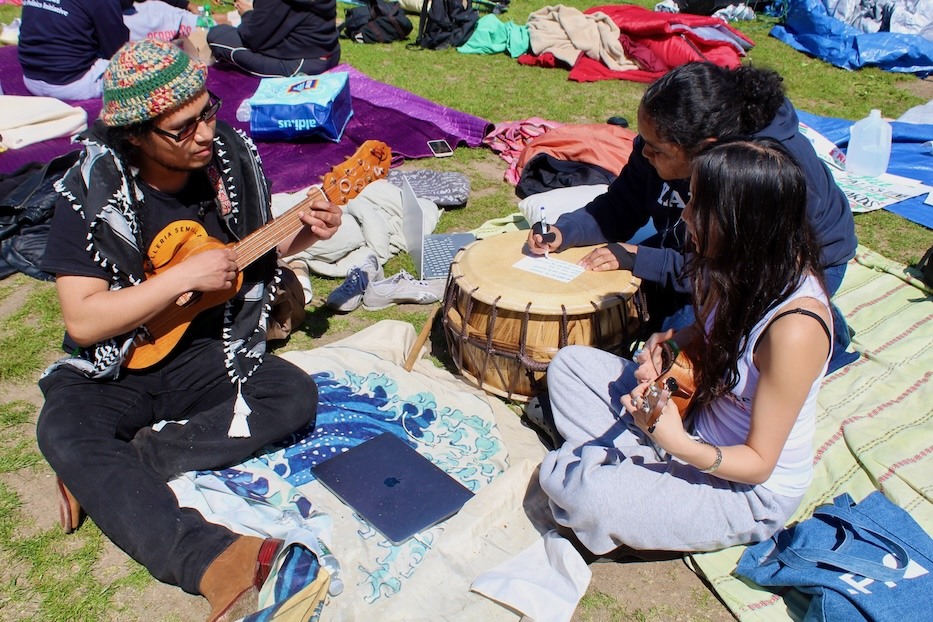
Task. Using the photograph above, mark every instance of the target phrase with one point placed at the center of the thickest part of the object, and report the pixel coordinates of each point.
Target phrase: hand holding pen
(542, 235)
(544, 228)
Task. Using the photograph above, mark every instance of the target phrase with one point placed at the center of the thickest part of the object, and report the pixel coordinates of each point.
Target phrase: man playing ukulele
(158, 175)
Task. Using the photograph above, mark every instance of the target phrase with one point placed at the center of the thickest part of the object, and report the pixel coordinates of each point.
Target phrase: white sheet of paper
(562, 271)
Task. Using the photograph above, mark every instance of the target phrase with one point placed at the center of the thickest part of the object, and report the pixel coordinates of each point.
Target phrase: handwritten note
(562, 271)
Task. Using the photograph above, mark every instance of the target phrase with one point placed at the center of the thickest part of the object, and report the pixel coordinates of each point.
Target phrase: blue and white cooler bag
(300, 106)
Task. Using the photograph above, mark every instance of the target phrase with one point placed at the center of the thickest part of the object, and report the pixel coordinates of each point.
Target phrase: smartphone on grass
(440, 148)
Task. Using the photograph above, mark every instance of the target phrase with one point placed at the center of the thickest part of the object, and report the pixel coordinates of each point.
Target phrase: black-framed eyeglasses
(209, 112)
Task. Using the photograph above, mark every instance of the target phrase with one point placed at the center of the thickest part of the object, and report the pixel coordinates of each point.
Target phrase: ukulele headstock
(649, 400)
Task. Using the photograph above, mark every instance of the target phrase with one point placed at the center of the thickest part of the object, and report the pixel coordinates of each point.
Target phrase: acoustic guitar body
(677, 377)
(178, 242)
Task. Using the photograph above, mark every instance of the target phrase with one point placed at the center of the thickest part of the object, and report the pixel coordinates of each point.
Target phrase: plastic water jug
(869, 146)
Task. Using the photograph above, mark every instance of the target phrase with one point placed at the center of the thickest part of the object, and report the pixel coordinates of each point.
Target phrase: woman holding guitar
(632, 471)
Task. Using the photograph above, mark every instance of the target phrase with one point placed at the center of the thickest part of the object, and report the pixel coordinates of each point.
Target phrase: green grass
(31, 333)
(47, 576)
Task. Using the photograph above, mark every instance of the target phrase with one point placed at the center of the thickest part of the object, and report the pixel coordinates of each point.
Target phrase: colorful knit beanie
(146, 78)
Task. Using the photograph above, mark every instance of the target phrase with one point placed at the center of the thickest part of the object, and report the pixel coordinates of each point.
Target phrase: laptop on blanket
(432, 253)
(393, 487)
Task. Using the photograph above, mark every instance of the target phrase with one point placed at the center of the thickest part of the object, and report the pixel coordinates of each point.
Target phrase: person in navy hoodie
(65, 45)
(279, 37)
(680, 115)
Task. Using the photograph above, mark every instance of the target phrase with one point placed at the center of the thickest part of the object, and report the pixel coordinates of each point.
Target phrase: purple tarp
(402, 120)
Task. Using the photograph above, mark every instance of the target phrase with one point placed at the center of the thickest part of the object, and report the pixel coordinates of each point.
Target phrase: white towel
(25, 120)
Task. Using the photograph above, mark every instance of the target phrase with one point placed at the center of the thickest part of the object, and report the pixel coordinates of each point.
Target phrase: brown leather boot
(69, 510)
(231, 583)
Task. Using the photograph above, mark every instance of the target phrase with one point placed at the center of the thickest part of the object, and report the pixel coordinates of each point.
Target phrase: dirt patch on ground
(921, 88)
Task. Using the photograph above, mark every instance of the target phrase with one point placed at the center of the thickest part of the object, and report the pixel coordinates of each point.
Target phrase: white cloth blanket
(565, 32)
(25, 120)
(473, 436)
(372, 222)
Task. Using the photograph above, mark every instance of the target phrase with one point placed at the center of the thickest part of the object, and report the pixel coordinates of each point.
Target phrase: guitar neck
(277, 230)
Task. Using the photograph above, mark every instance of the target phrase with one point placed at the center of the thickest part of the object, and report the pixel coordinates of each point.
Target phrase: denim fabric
(864, 561)
(841, 336)
(23, 253)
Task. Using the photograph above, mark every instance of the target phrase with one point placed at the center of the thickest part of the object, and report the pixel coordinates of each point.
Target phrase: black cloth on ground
(544, 172)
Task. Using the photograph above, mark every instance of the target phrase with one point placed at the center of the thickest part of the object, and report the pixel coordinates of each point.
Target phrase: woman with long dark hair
(737, 470)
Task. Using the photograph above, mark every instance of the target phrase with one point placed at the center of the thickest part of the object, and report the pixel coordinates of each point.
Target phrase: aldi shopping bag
(300, 106)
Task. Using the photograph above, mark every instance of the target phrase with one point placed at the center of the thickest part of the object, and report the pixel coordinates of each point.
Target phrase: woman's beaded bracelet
(716, 464)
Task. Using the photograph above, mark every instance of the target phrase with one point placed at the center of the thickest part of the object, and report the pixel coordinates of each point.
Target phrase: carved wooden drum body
(504, 325)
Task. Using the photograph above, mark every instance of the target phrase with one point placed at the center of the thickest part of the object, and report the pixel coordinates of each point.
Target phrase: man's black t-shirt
(158, 213)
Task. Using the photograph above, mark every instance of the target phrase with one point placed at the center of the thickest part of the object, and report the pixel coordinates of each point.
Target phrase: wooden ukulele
(162, 333)
(677, 378)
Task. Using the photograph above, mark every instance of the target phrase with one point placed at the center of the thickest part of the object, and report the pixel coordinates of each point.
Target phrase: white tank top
(726, 421)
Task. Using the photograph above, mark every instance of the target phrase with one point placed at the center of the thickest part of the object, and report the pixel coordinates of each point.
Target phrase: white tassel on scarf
(239, 427)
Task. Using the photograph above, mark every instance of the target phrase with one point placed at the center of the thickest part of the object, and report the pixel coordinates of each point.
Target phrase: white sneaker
(349, 294)
(401, 288)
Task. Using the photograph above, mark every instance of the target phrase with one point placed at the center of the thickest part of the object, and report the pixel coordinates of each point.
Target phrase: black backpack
(446, 23)
(380, 22)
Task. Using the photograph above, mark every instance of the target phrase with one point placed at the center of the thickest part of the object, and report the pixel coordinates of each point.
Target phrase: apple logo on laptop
(392, 481)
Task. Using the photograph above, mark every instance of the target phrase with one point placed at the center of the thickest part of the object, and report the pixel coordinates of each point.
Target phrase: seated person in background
(280, 37)
(680, 114)
(761, 343)
(163, 166)
(65, 47)
(162, 19)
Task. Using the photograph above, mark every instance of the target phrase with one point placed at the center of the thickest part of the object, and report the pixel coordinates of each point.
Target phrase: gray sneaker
(349, 294)
(401, 288)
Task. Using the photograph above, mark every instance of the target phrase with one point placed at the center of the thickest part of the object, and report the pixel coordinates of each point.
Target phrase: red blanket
(658, 42)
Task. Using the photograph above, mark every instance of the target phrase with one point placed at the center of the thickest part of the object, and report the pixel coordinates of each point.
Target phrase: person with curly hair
(682, 113)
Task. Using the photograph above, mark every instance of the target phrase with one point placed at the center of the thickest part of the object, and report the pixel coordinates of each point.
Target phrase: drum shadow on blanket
(381, 111)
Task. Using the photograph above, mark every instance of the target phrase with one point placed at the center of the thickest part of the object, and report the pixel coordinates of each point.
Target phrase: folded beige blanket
(565, 32)
(25, 120)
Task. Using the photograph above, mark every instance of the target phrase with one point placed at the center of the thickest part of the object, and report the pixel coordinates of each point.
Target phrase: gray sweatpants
(613, 486)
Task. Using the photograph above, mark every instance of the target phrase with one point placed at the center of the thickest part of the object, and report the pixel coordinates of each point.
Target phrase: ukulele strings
(261, 241)
(249, 250)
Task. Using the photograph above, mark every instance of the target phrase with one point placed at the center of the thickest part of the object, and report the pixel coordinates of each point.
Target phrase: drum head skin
(487, 265)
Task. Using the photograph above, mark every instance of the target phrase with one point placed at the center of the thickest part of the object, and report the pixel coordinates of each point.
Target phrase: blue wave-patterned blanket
(277, 491)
